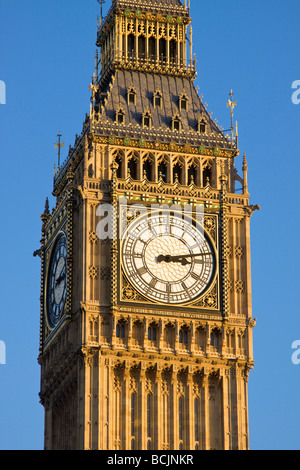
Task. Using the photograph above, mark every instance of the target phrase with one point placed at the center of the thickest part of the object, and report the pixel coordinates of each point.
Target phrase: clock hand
(61, 277)
(170, 259)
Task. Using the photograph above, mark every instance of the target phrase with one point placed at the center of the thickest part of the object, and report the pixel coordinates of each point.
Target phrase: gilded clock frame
(207, 301)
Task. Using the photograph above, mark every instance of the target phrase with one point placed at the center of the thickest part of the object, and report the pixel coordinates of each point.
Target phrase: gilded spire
(59, 145)
(232, 104)
(101, 2)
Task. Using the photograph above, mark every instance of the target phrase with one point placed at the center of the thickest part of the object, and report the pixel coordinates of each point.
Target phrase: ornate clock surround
(208, 301)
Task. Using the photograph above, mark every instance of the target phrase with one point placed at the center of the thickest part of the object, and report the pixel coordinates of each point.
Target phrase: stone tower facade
(146, 322)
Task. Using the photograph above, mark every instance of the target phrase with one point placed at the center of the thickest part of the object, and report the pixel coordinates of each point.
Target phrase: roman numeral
(198, 261)
(153, 282)
(195, 276)
(142, 271)
(184, 286)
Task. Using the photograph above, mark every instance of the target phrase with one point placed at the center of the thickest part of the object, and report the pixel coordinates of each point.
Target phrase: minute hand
(170, 259)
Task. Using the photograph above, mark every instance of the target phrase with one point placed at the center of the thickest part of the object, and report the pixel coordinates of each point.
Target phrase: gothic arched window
(152, 333)
(120, 330)
(119, 159)
(142, 47)
(120, 116)
(147, 119)
(162, 170)
(193, 174)
(133, 168)
(152, 48)
(183, 336)
(173, 51)
(157, 99)
(215, 338)
(147, 170)
(131, 95)
(176, 123)
(207, 175)
(201, 126)
(162, 49)
(131, 45)
(183, 102)
(177, 173)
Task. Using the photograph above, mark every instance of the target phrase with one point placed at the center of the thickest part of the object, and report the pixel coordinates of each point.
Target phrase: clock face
(57, 281)
(168, 259)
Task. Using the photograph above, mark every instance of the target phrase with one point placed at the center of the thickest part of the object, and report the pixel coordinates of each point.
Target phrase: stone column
(48, 426)
(190, 444)
(143, 409)
(205, 424)
(158, 411)
(225, 384)
(175, 437)
(126, 411)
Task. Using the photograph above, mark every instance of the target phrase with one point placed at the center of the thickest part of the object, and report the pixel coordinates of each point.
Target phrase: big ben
(146, 317)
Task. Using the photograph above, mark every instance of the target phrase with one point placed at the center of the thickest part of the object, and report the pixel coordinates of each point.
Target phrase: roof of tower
(171, 89)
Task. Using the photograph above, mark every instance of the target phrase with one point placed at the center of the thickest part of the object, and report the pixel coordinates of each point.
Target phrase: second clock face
(168, 259)
(57, 281)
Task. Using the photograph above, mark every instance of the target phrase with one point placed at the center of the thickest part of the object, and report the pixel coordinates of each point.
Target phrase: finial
(47, 206)
(245, 175)
(232, 104)
(59, 145)
(96, 66)
(101, 2)
(46, 213)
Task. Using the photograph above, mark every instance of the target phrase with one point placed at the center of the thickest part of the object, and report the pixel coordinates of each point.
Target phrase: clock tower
(146, 322)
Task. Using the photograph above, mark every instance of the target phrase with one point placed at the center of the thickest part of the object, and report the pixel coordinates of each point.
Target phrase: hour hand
(171, 259)
(60, 278)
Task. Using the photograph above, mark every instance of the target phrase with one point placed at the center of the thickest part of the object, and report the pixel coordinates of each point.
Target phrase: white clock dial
(168, 259)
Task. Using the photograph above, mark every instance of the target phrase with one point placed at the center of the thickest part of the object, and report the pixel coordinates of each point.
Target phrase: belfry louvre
(146, 338)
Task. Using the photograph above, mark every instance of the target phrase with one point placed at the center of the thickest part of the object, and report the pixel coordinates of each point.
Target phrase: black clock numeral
(199, 261)
(153, 282)
(195, 276)
(142, 271)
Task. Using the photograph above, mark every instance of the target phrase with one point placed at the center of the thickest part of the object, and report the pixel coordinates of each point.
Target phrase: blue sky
(47, 57)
